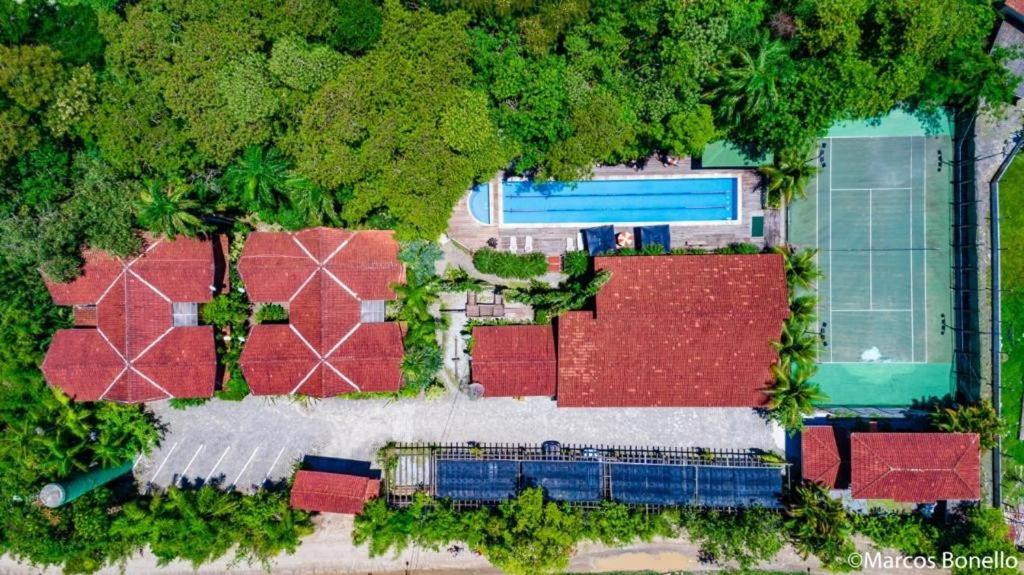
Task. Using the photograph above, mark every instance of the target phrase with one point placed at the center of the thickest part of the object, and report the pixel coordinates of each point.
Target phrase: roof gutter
(997, 318)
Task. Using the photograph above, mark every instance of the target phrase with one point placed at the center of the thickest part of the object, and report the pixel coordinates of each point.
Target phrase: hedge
(510, 265)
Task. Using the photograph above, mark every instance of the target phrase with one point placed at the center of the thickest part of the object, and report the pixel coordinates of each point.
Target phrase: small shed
(332, 492)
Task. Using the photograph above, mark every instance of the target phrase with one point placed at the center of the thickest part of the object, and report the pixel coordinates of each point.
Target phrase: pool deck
(467, 231)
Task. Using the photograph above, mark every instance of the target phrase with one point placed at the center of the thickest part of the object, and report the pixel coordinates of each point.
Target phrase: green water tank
(57, 494)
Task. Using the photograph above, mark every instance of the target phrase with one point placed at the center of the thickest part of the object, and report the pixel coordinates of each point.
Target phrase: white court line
(152, 478)
(912, 270)
(832, 349)
(872, 310)
(924, 244)
(276, 459)
(216, 465)
(871, 254)
(246, 466)
(868, 189)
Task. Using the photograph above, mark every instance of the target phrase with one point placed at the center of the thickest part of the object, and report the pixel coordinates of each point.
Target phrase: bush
(358, 26)
(980, 418)
(747, 537)
(576, 264)
(419, 257)
(509, 265)
(740, 248)
(271, 312)
(908, 534)
(225, 310)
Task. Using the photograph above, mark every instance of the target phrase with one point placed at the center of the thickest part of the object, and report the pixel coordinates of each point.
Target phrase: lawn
(1012, 219)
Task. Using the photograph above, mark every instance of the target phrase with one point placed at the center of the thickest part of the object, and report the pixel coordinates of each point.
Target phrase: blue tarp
(599, 240)
(652, 484)
(738, 486)
(565, 480)
(654, 236)
(477, 480)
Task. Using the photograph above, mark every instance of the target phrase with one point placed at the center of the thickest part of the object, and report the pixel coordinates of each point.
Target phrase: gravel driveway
(247, 443)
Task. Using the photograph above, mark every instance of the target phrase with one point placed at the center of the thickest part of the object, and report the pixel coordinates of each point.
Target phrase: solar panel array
(575, 481)
(477, 480)
(631, 483)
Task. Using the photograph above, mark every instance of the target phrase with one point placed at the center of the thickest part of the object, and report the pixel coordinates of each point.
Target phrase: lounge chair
(660, 236)
(529, 244)
(600, 240)
(513, 244)
(569, 245)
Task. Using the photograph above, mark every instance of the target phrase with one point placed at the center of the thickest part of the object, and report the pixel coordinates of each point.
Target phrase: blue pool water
(620, 201)
(480, 203)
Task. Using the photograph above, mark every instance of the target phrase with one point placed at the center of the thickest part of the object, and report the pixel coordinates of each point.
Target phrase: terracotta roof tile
(675, 331)
(515, 361)
(820, 458)
(135, 353)
(332, 492)
(322, 275)
(915, 467)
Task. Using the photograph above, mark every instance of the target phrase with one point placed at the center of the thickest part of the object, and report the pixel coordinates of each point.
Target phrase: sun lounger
(513, 244)
(529, 244)
(569, 246)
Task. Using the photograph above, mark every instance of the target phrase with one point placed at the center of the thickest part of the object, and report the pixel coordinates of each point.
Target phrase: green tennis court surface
(879, 214)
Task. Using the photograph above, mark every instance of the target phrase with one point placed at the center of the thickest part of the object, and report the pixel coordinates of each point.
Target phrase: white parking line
(276, 459)
(246, 466)
(152, 478)
(216, 465)
(181, 478)
(138, 459)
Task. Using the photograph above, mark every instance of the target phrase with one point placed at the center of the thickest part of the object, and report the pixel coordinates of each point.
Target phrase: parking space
(245, 444)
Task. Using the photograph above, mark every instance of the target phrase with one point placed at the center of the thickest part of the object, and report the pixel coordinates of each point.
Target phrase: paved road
(259, 439)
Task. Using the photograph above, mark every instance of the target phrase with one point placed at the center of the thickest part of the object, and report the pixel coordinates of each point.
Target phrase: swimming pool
(619, 201)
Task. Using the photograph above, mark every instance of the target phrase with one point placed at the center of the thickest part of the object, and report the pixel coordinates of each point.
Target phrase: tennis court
(879, 214)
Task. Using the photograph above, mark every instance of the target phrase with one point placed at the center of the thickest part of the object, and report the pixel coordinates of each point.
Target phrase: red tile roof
(135, 353)
(332, 492)
(1015, 5)
(322, 275)
(915, 467)
(514, 361)
(820, 458)
(675, 331)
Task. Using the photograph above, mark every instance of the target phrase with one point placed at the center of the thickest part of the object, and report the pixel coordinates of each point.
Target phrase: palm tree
(316, 204)
(801, 268)
(257, 178)
(748, 86)
(819, 525)
(167, 209)
(787, 178)
(793, 396)
(980, 418)
(796, 344)
(802, 309)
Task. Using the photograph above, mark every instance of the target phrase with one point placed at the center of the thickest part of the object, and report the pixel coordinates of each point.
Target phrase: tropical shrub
(269, 313)
(792, 396)
(980, 418)
(819, 525)
(548, 302)
(801, 268)
(787, 178)
(576, 263)
(510, 265)
(745, 537)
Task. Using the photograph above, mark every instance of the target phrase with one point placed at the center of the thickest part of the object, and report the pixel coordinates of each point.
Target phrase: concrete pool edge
(497, 189)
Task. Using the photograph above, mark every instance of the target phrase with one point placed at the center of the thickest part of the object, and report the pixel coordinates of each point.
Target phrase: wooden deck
(465, 230)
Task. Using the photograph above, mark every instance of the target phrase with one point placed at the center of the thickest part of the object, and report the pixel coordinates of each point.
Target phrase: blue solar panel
(652, 484)
(479, 480)
(565, 480)
(738, 486)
